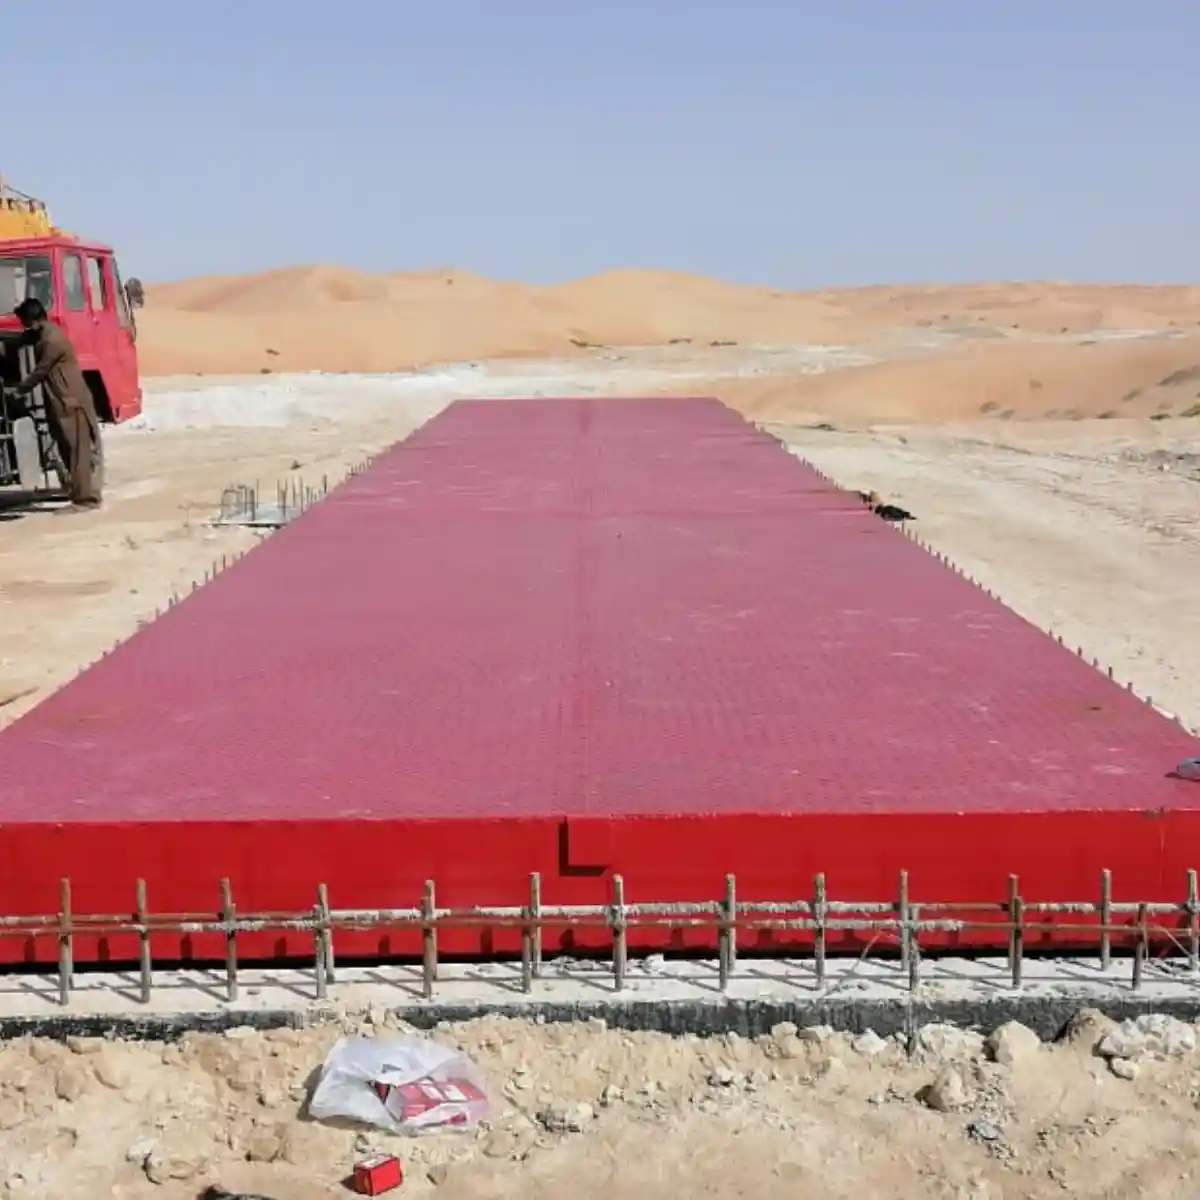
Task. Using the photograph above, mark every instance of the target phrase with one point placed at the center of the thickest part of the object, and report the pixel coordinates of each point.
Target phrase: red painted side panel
(584, 637)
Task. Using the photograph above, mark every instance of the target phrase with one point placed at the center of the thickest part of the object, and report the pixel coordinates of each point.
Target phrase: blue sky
(795, 145)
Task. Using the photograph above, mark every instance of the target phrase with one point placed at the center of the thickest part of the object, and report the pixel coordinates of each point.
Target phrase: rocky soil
(585, 1111)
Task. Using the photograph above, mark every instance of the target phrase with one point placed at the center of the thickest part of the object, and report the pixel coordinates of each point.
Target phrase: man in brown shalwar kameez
(69, 400)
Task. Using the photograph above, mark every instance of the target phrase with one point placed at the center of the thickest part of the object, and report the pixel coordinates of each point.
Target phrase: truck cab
(80, 285)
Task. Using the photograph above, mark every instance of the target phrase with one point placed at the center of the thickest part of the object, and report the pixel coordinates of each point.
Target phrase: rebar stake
(143, 919)
(65, 956)
(727, 952)
(1142, 949)
(527, 948)
(820, 915)
(327, 932)
(535, 907)
(229, 917)
(620, 945)
(429, 957)
(1105, 919)
(1193, 906)
(1016, 942)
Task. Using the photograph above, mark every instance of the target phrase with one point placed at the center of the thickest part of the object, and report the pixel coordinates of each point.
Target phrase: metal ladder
(32, 448)
(49, 460)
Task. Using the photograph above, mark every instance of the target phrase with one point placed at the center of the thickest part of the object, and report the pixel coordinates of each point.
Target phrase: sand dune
(1004, 382)
(324, 318)
(335, 319)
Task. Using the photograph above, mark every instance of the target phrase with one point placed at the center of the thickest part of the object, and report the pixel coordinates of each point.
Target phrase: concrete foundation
(667, 996)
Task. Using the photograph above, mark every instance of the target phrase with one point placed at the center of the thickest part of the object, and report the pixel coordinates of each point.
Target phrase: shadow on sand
(16, 503)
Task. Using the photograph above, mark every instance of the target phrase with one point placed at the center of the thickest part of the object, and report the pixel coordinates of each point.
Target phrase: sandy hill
(335, 319)
(1008, 381)
(327, 318)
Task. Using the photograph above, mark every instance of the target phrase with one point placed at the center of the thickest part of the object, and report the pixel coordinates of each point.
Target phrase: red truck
(81, 287)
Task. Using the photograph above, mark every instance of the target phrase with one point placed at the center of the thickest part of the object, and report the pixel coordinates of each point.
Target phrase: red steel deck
(584, 637)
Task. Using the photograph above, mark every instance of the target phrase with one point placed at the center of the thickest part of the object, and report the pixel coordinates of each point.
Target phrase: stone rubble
(215, 1107)
(1124, 1068)
(1011, 1043)
(869, 1043)
(948, 1043)
(949, 1091)
(1151, 1035)
(567, 1118)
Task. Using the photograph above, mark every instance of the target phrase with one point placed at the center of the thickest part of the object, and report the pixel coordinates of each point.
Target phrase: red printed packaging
(442, 1102)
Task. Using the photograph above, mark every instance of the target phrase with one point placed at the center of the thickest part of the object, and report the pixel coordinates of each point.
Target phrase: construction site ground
(1086, 527)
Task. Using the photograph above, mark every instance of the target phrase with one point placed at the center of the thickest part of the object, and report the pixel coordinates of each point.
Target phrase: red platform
(584, 637)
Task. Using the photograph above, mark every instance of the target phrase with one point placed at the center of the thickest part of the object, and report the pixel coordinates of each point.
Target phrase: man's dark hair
(30, 311)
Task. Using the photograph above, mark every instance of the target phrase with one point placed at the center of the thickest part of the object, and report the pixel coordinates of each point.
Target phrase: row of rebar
(901, 923)
(242, 502)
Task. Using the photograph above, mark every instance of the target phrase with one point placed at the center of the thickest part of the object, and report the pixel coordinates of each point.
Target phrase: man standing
(69, 400)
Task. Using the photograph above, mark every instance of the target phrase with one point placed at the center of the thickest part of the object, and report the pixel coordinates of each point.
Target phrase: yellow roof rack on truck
(22, 216)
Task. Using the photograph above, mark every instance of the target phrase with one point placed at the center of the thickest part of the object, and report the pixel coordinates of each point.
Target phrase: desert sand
(1042, 436)
(1021, 350)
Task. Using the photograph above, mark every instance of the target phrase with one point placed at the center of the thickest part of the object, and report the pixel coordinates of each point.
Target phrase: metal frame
(1140, 926)
(243, 504)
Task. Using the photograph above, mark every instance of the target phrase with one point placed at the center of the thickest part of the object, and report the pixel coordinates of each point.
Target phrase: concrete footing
(666, 996)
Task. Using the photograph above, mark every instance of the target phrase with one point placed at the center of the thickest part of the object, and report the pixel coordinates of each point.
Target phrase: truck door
(127, 398)
(110, 343)
(72, 309)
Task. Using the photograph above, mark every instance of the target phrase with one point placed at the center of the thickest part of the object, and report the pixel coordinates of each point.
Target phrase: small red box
(378, 1174)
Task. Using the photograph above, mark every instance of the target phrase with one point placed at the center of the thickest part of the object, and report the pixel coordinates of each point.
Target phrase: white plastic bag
(408, 1086)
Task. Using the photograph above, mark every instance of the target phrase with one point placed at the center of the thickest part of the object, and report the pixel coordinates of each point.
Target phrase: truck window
(74, 297)
(124, 316)
(97, 285)
(25, 279)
